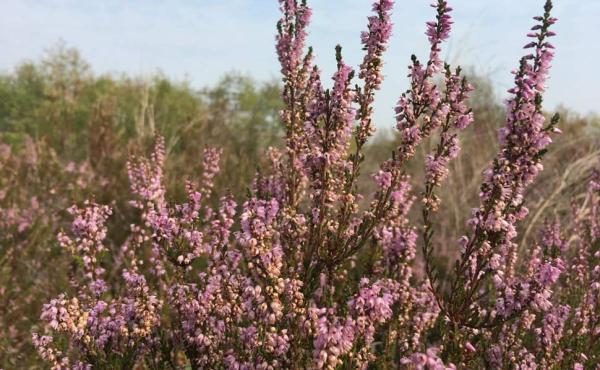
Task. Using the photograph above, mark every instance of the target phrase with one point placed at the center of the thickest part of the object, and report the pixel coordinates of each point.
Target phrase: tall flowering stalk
(295, 69)
(490, 252)
(302, 275)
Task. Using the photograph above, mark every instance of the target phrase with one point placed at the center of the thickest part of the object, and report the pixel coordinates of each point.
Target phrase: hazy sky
(200, 40)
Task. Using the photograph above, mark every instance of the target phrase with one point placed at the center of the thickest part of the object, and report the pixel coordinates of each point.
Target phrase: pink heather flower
(548, 274)
(98, 287)
(89, 231)
(383, 179)
(342, 113)
(375, 301)
(211, 157)
(291, 35)
(47, 352)
(437, 32)
(427, 361)
(333, 341)
(425, 99)
(145, 176)
(374, 42)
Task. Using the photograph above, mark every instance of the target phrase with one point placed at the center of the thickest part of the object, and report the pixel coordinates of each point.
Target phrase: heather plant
(309, 272)
(48, 163)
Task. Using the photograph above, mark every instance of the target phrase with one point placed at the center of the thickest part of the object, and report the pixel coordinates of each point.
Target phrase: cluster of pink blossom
(374, 41)
(490, 252)
(303, 275)
(120, 326)
(562, 329)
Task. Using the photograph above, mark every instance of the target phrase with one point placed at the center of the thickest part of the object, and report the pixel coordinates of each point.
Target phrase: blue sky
(200, 40)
